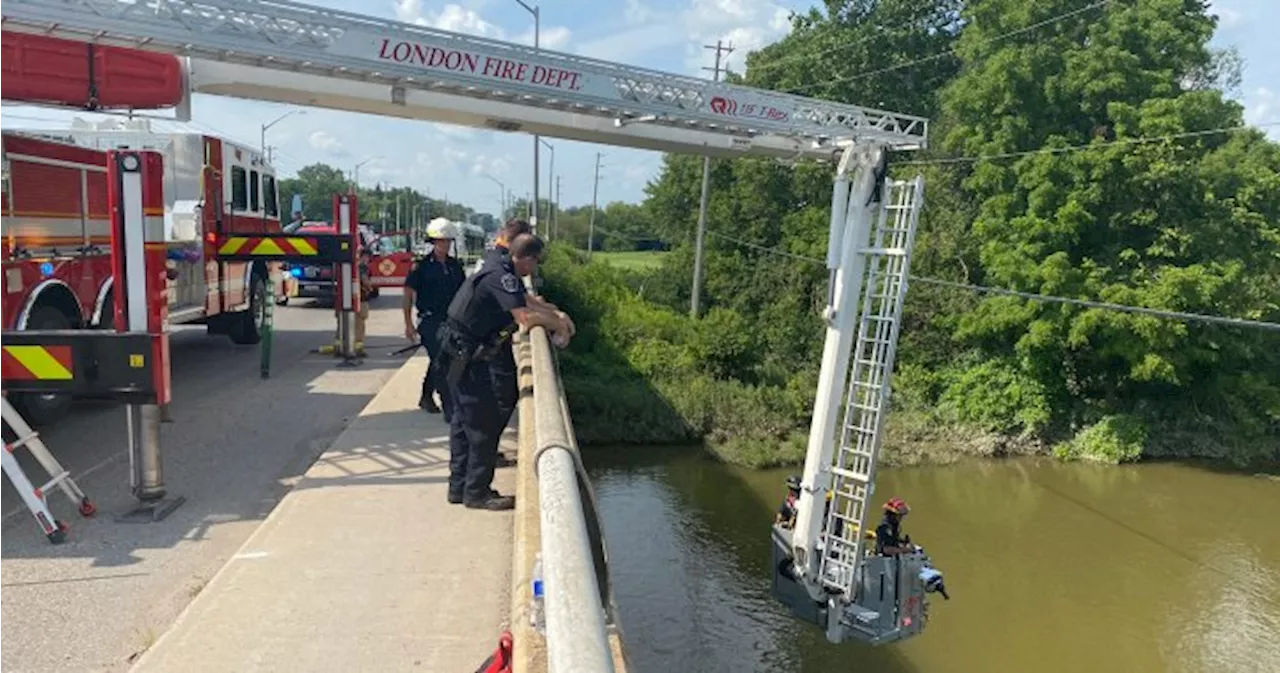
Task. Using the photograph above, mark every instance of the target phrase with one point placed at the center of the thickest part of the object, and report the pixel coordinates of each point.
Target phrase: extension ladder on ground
(34, 497)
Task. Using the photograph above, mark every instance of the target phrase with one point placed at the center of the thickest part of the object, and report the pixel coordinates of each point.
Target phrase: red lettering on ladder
(425, 55)
(435, 58)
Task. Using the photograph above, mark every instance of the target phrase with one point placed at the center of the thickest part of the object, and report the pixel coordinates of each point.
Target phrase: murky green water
(1051, 567)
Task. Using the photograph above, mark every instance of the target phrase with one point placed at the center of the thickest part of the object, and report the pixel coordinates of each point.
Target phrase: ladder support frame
(299, 38)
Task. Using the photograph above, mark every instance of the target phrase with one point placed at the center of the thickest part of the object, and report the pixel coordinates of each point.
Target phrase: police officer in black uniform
(503, 367)
(481, 320)
(431, 285)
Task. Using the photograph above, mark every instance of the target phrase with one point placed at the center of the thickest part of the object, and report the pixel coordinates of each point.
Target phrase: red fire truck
(56, 249)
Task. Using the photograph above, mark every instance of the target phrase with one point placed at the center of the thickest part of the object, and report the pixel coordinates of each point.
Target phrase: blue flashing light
(295, 272)
(46, 269)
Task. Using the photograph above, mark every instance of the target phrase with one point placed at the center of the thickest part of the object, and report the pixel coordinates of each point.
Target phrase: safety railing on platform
(581, 633)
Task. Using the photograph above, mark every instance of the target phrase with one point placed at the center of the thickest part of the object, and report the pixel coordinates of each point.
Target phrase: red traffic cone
(500, 660)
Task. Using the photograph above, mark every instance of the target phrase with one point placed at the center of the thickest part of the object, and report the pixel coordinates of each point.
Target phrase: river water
(1051, 568)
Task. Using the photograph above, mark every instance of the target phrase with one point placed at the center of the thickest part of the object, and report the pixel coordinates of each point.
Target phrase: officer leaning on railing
(481, 319)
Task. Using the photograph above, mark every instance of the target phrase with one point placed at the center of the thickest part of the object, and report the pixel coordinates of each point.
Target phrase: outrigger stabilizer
(822, 568)
(341, 249)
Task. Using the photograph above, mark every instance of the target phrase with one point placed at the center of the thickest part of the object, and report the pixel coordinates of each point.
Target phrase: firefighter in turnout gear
(786, 514)
(481, 319)
(431, 284)
(889, 538)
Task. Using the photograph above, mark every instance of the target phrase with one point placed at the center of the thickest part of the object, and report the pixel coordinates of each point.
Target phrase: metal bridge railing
(581, 633)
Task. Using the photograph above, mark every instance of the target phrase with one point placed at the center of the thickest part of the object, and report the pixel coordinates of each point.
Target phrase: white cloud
(1262, 103)
(458, 19)
(555, 37)
(637, 12)
(453, 161)
(1227, 17)
(326, 142)
(746, 24)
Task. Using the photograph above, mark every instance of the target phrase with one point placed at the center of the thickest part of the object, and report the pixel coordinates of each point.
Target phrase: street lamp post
(277, 120)
(502, 195)
(551, 178)
(355, 173)
(537, 20)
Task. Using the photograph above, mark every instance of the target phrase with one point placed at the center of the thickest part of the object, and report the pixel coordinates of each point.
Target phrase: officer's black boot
(494, 503)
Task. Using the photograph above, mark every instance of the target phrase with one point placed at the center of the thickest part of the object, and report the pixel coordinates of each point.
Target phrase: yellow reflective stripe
(302, 245)
(233, 245)
(267, 247)
(39, 362)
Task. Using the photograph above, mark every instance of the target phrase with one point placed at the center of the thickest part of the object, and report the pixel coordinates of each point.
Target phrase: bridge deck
(363, 566)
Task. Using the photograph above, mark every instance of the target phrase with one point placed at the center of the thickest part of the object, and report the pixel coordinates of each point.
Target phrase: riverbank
(639, 372)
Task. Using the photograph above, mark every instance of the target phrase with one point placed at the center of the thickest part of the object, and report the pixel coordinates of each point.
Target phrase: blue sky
(662, 34)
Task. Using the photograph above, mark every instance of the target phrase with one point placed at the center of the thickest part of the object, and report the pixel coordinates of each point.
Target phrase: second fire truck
(56, 246)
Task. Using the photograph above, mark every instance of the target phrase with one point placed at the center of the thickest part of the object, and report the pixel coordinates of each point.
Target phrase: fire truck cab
(56, 249)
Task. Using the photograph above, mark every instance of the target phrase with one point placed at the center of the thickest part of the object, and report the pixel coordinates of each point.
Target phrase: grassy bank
(632, 260)
(640, 373)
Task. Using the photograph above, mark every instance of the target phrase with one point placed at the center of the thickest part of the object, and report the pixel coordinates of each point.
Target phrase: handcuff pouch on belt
(461, 349)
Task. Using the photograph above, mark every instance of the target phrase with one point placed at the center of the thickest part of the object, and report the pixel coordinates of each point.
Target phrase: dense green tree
(1186, 224)
(316, 184)
(389, 208)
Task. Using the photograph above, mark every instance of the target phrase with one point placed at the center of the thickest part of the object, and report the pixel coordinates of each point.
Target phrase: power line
(982, 289)
(1090, 146)
(951, 51)
(765, 67)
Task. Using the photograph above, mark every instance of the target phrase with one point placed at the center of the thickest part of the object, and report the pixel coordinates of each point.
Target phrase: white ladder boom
(888, 259)
(639, 107)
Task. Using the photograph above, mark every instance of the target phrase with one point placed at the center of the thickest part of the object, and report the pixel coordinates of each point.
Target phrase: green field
(632, 259)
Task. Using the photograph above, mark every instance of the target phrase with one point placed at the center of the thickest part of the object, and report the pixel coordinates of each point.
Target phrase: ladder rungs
(20, 442)
(850, 474)
(58, 479)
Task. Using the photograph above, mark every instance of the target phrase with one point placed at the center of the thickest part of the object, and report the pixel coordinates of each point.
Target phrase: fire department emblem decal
(386, 266)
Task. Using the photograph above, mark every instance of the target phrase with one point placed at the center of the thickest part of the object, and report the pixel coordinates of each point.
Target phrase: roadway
(235, 446)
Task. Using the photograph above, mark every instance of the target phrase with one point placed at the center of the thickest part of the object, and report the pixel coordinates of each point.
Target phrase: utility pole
(591, 227)
(699, 251)
(555, 213)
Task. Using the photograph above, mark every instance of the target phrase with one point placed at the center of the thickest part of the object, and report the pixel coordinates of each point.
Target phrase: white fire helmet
(441, 228)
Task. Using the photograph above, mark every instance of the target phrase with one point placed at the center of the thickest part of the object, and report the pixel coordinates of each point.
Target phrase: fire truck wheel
(248, 327)
(44, 409)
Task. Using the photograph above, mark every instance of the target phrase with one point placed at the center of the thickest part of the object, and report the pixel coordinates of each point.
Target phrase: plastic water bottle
(538, 617)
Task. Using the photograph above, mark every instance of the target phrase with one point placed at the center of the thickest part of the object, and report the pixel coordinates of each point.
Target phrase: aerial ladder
(287, 52)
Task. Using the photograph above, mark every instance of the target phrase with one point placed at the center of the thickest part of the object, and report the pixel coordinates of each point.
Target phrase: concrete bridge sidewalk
(364, 566)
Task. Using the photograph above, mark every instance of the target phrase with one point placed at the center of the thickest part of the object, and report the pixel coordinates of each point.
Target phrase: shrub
(1114, 439)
